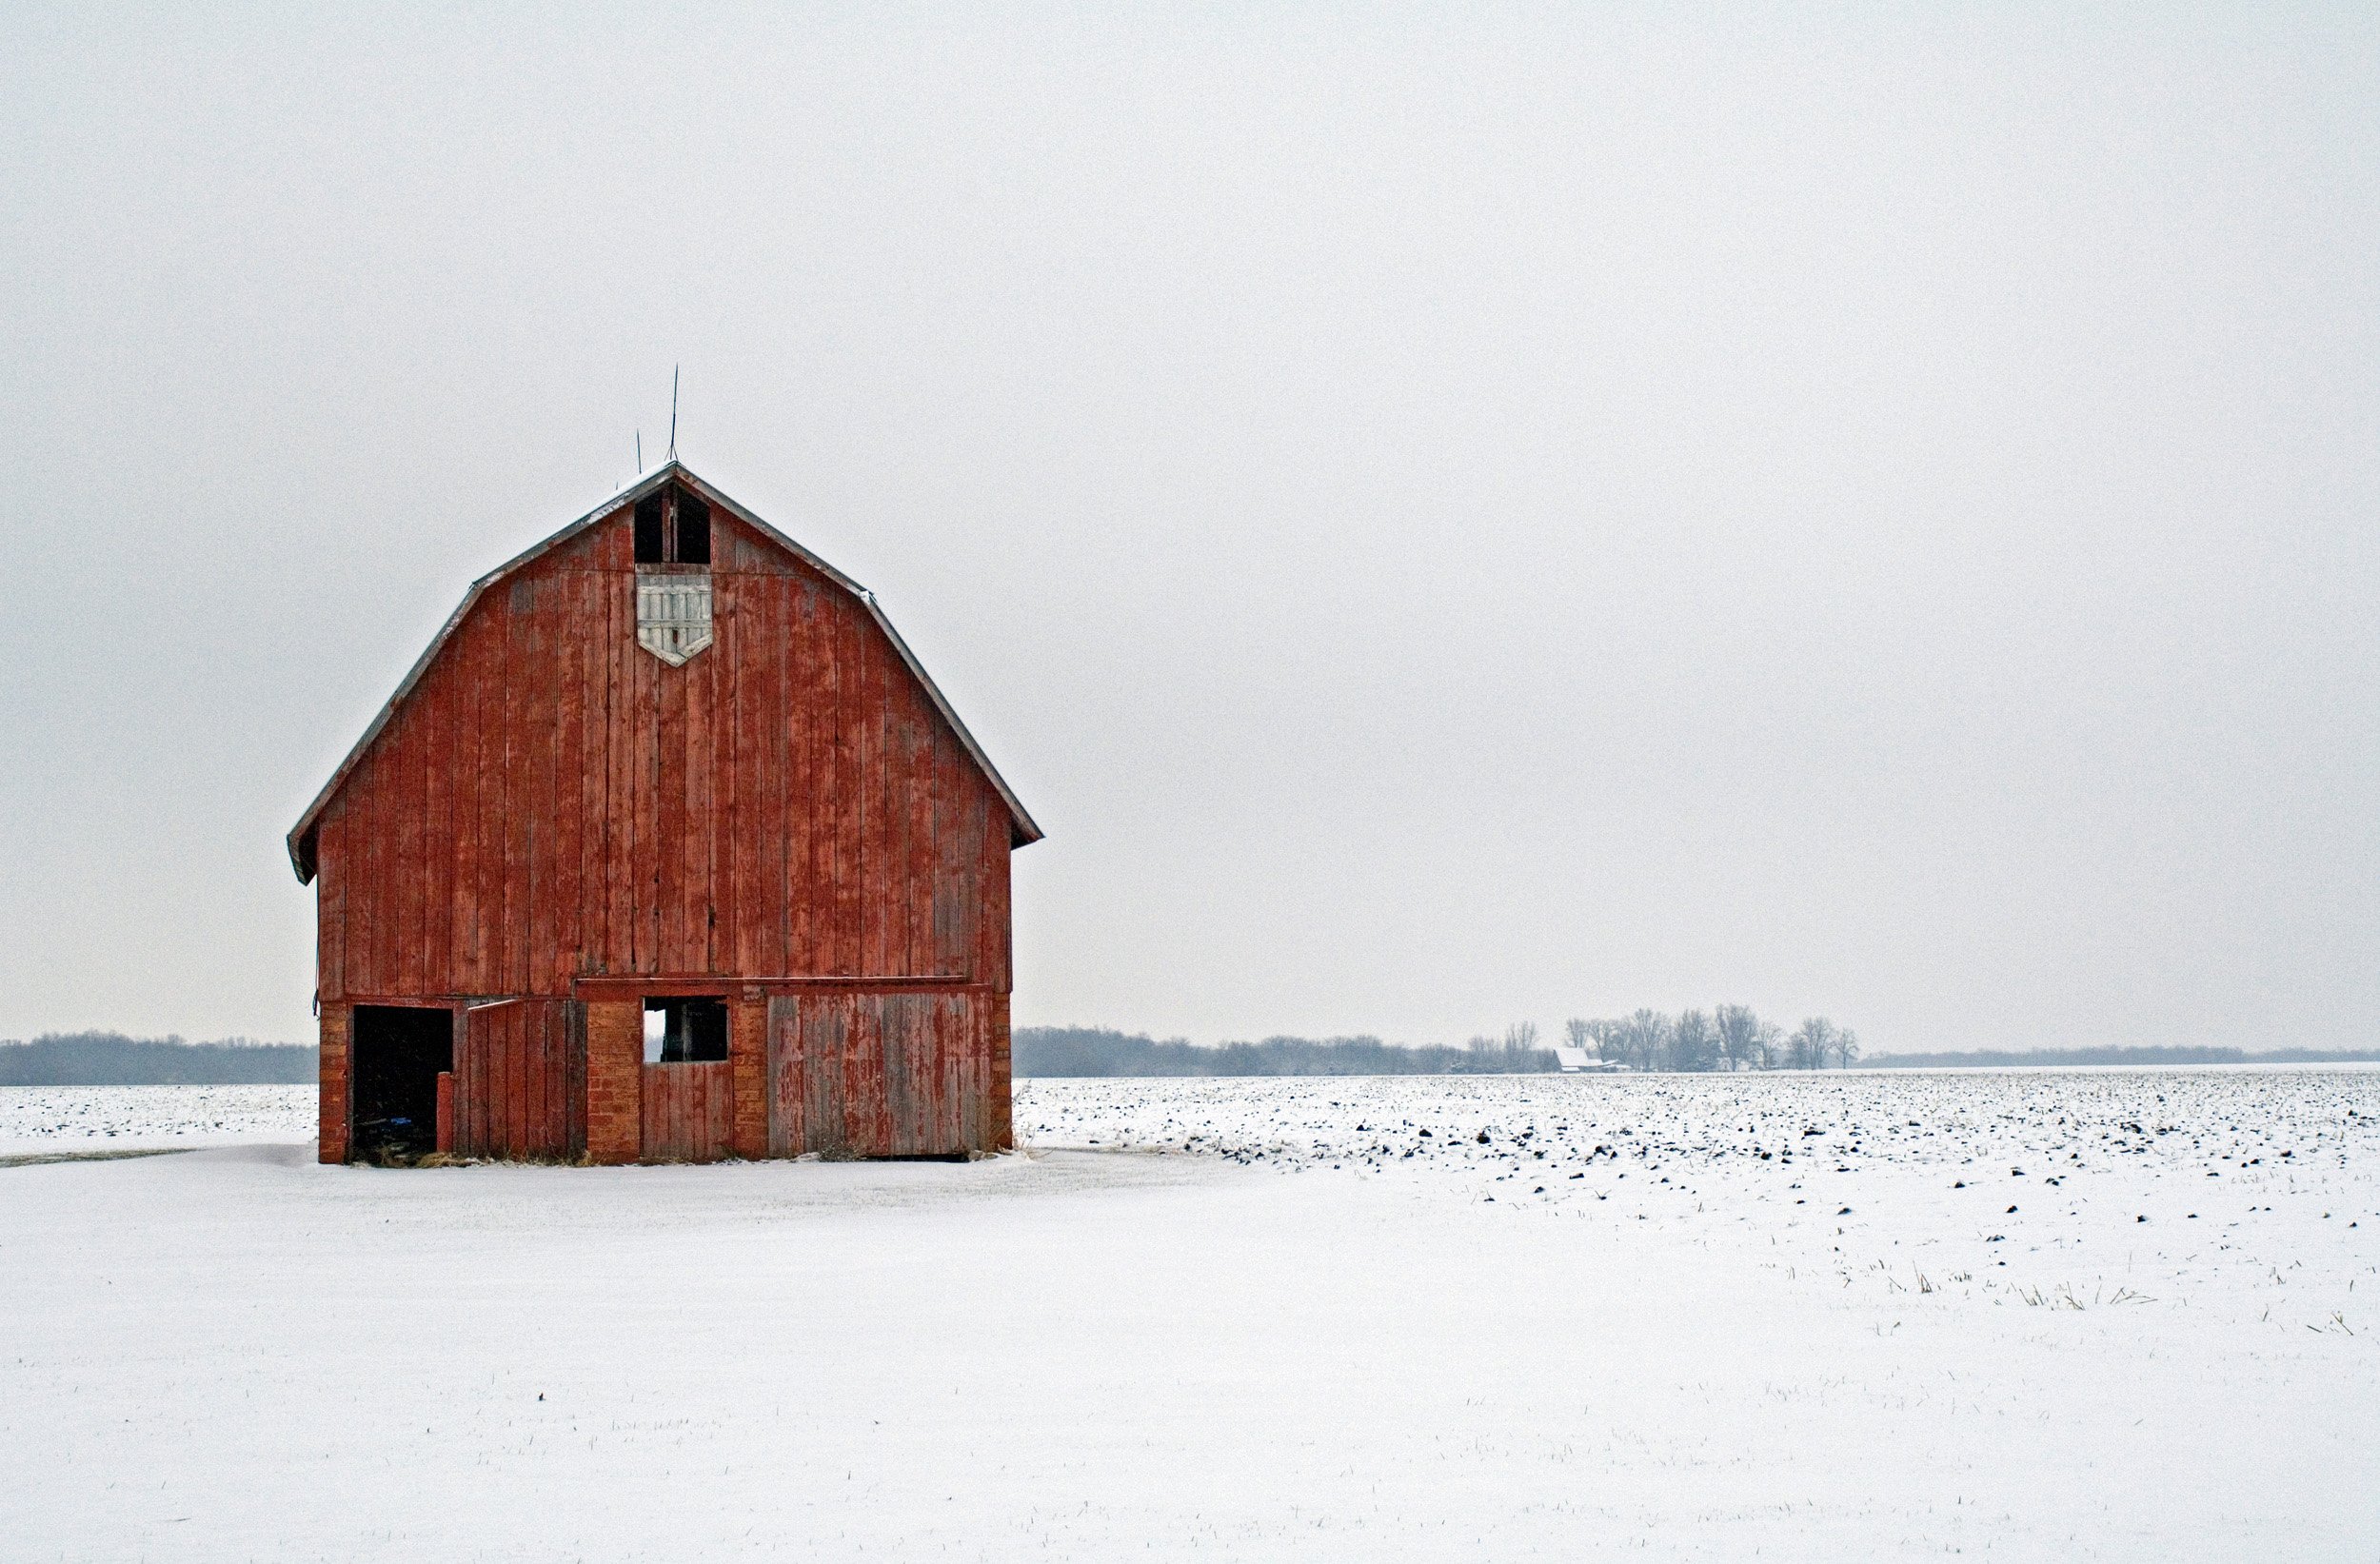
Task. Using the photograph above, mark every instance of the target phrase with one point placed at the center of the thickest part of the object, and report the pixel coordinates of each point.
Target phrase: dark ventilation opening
(648, 530)
(685, 1031)
(399, 1052)
(694, 530)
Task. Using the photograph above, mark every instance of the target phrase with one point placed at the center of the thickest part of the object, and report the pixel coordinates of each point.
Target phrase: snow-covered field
(2071, 1314)
(51, 1121)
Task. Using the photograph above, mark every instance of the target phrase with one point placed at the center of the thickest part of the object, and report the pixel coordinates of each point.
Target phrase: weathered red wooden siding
(552, 801)
(687, 1113)
(520, 1088)
(864, 1073)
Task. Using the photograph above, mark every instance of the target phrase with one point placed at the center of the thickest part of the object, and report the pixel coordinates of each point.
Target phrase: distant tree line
(110, 1059)
(2160, 1054)
(1099, 1051)
(1728, 1037)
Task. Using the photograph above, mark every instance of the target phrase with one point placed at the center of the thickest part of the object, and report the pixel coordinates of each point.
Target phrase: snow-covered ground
(47, 1120)
(1668, 1317)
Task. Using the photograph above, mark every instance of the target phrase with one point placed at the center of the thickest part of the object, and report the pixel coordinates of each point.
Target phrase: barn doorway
(400, 1050)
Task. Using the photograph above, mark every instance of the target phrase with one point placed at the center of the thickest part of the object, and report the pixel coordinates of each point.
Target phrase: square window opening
(691, 1031)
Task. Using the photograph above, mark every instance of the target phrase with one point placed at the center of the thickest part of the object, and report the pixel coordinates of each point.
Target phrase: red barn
(666, 850)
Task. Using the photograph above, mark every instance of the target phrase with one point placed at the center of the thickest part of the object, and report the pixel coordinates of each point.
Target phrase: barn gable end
(751, 547)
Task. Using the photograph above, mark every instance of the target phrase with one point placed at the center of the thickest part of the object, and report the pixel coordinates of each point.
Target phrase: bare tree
(1846, 1047)
(1647, 1035)
(1521, 1038)
(1765, 1046)
(1693, 1043)
(1810, 1044)
(1738, 1032)
(1579, 1035)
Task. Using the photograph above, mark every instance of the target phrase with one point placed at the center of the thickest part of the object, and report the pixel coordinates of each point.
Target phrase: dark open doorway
(399, 1053)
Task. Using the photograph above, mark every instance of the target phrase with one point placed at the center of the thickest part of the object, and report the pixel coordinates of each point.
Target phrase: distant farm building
(666, 850)
(1583, 1062)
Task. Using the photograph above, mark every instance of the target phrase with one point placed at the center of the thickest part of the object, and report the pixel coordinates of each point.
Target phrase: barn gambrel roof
(301, 838)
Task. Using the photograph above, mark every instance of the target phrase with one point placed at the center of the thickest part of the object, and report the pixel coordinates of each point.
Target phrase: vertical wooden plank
(466, 1084)
(606, 929)
(433, 709)
(398, 763)
(922, 1067)
(916, 890)
(694, 834)
(422, 844)
(575, 1080)
(721, 818)
(587, 934)
(669, 819)
(974, 1112)
(471, 807)
(332, 874)
(502, 1080)
(646, 671)
(784, 1076)
(387, 876)
(825, 1022)
(487, 769)
(462, 765)
(558, 905)
(517, 685)
(871, 798)
(492, 1082)
(555, 859)
(543, 1061)
(742, 822)
(863, 1078)
(894, 1076)
(491, 1020)
(798, 669)
(950, 1134)
(523, 1026)
(364, 919)
(538, 1069)
(488, 1087)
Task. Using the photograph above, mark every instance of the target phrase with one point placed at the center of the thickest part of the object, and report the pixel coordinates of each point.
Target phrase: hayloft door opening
(400, 1050)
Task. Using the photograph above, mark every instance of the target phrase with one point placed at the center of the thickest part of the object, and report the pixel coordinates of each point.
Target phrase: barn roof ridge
(300, 852)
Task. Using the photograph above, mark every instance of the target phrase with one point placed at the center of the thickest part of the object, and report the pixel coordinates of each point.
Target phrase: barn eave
(303, 836)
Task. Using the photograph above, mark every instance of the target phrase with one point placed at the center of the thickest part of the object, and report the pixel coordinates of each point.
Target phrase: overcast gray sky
(1445, 518)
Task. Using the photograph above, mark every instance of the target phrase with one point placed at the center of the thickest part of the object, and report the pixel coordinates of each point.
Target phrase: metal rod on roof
(639, 452)
(673, 412)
